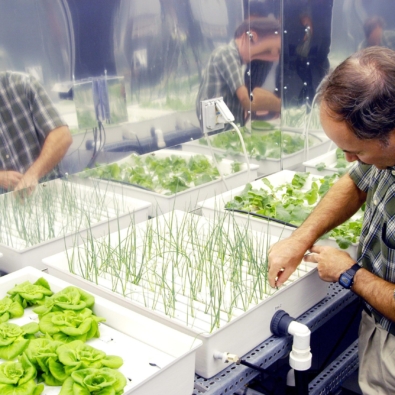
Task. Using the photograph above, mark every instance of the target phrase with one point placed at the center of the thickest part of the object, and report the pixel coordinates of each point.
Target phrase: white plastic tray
(244, 332)
(185, 200)
(211, 207)
(329, 159)
(270, 165)
(137, 339)
(119, 212)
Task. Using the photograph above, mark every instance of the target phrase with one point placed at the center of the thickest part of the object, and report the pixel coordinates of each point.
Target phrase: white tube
(300, 357)
(301, 334)
(244, 150)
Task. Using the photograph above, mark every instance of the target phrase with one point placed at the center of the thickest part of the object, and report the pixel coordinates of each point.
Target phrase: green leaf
(31, 328)
(29, 293)
(10, 309)
(13, 350)
(17, 375)
(97, 380)
(43, 283)
(70, 298)
(16, 310)
(40, 350)
(343, 242)
(70, 323)
(77, 355)
(58, 373)
(320, 166)
(299, 179)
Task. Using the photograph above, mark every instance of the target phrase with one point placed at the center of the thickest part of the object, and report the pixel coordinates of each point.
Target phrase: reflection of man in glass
(224, 74)
(376, 35)
(33, 138)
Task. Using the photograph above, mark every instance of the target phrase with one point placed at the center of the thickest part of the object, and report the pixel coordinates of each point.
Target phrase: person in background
(262, 73)
(357, 110)
(33, 137)
(224, 75)
(376, 35)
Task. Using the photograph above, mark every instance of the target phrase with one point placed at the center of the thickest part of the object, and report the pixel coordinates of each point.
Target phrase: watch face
(345, 280)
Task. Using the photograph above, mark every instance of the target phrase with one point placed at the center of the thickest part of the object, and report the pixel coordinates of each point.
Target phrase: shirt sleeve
(231, 71)
(362, 175)
(44, 114)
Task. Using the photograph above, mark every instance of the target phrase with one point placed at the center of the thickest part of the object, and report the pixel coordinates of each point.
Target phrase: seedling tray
(320, 145)
(214, 206)
(56, 216)
(184, 200)
(217, 311)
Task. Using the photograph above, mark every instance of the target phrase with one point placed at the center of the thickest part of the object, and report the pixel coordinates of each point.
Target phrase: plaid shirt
(223, 76)
(376, 251)
(27, 115)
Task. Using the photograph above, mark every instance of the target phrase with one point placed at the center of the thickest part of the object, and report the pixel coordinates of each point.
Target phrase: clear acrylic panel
(155, 55)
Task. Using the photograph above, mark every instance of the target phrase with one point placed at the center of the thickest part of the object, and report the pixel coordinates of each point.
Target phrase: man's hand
(264, 100)
(331, 262)
(284, 257)
(26, 185)
(9, 179)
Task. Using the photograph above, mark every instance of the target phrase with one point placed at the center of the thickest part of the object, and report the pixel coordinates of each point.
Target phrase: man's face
(266, 48)
(371, 152)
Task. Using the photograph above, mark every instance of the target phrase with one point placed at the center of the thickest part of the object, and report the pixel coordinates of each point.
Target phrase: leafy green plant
(14, 338)
(102, 381)
(41, 353)
(78, 355)
(17, 378)
(69, 325)
(51, 350)
(259, 145)
(55, 360)
(10, 309)
(28, 294)
(290, 204)
(69, 298)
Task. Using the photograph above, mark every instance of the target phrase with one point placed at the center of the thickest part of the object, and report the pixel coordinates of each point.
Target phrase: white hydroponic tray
(185, 200)
(239, 329)
(215, 205)
(329, 159)
(139, 340)
(271, 165)
(60, 219)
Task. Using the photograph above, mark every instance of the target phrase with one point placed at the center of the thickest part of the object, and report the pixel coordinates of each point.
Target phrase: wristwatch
(346, 279)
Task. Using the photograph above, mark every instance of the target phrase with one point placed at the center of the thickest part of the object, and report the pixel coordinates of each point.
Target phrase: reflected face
(267, 48)
(371, 152)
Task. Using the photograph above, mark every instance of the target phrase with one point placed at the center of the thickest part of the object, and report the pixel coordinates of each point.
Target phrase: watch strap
(347, 278)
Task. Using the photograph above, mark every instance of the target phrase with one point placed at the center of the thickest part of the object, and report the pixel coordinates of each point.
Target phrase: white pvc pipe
(300, 357)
